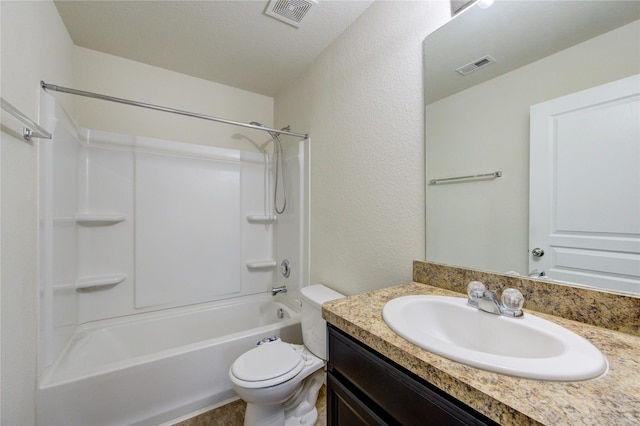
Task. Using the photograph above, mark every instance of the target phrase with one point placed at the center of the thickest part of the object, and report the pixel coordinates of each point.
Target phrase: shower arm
(271, 131)
(275, 134)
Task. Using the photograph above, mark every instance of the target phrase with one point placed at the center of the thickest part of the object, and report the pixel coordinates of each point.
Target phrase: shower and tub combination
(157, 261)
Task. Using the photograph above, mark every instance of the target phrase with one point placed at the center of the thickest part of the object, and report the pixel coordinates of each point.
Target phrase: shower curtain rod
(61, 89)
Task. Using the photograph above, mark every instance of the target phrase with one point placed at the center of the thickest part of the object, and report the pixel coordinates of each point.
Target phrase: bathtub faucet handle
(276, 290)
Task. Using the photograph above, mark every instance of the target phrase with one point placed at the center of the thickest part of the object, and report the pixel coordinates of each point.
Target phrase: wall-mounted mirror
(521, 53)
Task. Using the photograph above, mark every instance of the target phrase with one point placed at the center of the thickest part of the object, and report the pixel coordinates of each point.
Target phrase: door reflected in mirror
(481, 122)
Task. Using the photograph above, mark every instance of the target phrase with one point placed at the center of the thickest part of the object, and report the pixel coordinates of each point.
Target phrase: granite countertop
(612, 399)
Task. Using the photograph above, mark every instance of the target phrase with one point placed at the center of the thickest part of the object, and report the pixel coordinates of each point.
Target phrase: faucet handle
(513, 300)
(475, 291)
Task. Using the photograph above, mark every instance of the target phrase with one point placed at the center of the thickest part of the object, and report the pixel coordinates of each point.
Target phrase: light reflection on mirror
(480, 123)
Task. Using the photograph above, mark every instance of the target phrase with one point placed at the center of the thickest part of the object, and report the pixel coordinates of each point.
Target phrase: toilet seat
(267, 365)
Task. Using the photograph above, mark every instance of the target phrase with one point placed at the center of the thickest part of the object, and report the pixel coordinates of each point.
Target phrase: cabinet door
(344, 407)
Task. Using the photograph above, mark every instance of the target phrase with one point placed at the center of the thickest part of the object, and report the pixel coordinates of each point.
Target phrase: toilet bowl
(280, 381)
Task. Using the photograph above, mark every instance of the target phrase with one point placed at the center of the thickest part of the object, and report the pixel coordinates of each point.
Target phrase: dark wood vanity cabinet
(365, 388)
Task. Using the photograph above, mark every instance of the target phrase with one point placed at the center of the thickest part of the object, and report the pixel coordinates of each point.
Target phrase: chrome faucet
(487, 301)
(276, 290)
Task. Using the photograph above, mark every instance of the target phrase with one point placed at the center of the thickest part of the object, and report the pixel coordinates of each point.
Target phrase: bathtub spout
(276, 290)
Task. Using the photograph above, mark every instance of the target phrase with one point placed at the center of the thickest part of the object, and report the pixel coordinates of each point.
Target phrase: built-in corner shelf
(89, 219)
(256, 265)
(263, 219)
(100, 282)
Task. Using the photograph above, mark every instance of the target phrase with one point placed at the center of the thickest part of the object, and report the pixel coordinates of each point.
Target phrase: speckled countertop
(612, 399)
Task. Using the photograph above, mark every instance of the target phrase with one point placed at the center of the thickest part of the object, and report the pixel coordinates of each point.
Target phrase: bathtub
(153, 368)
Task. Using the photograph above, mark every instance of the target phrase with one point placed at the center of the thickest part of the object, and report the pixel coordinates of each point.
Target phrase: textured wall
(114, 76)
(30, 53)
(362, 103)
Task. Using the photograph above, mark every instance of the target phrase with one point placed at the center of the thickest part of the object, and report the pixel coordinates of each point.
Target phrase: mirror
(479, 123)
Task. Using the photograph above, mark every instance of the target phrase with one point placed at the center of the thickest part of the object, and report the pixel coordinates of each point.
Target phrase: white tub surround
(134, 227)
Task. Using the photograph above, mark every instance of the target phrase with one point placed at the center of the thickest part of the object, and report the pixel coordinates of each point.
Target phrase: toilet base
(308, 419)
(299, 410)
(267, 415)
(274, 416)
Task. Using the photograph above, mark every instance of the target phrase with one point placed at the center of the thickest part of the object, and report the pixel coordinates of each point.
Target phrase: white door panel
(585, 186)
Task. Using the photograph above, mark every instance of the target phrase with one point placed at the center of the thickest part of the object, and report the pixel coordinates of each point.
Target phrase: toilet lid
(266, 362)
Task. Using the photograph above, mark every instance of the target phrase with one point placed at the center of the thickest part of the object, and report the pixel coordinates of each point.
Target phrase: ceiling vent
(476, 65)
(291, 11)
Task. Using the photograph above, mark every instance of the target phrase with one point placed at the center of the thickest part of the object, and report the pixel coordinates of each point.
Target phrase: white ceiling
(229, 42)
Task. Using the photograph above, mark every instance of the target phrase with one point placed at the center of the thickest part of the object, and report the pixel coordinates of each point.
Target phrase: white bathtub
(156, 367)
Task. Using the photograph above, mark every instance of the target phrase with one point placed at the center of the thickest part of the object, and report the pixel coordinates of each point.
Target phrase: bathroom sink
(529, 347)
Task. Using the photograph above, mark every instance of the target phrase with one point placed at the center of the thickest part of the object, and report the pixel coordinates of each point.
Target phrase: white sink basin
(529, 347)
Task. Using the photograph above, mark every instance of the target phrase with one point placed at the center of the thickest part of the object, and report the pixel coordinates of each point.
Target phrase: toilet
(280, 381)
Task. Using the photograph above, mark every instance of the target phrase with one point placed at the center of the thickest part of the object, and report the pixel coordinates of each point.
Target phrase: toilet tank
(314, 328)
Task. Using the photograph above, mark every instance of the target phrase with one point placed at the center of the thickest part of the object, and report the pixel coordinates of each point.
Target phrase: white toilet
(280, 381)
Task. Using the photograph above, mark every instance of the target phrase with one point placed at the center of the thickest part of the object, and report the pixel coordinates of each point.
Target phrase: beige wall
(35, 46)
(114, 76)
(485, 225)
(361, 101)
